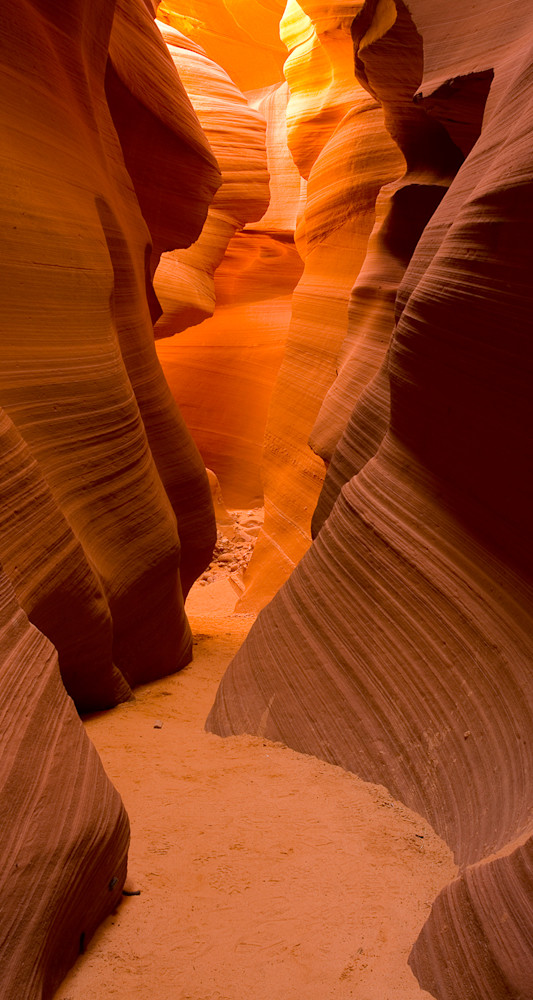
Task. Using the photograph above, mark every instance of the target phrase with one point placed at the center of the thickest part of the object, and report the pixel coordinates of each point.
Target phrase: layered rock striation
(63, 830)
(98, 469)
(94, 426)
(236, 133)
(401, 646)
(337, 137)
(222, 372)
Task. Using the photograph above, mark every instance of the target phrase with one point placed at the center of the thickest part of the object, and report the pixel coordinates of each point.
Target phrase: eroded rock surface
(236, 133)
(337, 137)
(97, 465)
(401, 646)
(94, 423)
(63, 830)
(242, 37)
(222, 372)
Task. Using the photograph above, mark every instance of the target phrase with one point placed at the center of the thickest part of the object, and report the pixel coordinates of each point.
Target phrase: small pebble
(158, 724)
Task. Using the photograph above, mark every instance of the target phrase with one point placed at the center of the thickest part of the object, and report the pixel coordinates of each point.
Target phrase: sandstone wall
(63, 830)
(98, 469)
(401, 646)
(240, 35)
(222, 374)
(236, 133)
(337, 137)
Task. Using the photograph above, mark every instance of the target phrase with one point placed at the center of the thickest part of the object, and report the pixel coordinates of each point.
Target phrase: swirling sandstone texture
(63, 830)
(97, 466)
(240, 35)
(401, 646)
(337, 137)
(236, 133)
(99, 460)
(222, 372)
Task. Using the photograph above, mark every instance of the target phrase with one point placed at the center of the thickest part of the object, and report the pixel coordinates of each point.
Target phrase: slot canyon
(266, 633)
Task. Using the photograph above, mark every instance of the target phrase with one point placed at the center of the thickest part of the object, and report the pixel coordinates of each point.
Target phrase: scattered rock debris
(234, 547)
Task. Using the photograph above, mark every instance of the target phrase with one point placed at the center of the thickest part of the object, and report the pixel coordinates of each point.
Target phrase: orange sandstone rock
(97, 465)
(240, 35)
(236, 133)
(337, 137)
(222, 373)
(63, 830)
(401, 646)
(79, 377)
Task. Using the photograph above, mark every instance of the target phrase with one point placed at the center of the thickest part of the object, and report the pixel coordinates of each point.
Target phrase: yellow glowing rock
(241, 35)
(341, 138)
(222, 373)
(320, 73)
(287, 186)
(236, 133)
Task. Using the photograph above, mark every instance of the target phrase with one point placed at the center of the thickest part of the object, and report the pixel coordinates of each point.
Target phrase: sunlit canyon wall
(401, 646)
(223, 371)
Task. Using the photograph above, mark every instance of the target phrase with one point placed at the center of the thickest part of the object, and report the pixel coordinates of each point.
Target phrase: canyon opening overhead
(266, 633)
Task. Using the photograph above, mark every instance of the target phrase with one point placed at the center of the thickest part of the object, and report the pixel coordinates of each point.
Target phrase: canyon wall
(338, 140)
(240, 35)
(222, 373)
(106, 509)
(401, 646)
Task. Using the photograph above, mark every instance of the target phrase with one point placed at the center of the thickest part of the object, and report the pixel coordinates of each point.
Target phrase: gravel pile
(234, 547)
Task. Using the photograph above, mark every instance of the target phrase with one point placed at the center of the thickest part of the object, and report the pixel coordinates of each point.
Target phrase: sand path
(264, 874)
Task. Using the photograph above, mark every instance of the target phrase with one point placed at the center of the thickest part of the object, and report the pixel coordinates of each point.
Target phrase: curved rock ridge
(97, 465)
(392, 68)
(320, 74)
(240, 35)
(401, 646)
(337, 136)
(223, 371)
(152, 112)
(52, 578)
(95, 429)
(236, 134)
(287, 186)
(63, 830)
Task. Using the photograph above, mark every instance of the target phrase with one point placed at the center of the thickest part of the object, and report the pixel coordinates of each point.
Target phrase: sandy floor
(264, 874)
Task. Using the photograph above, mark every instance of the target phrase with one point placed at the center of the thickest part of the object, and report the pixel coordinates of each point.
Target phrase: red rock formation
(338, 140)
(97, 465)
(401, 646)
(79, 376)
(52, 578)
(236, 133)
(222, 373)
(63, 830)
(240, 35)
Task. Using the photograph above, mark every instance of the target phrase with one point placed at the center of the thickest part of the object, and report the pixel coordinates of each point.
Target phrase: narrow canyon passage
(263, 874)
(266, 561)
